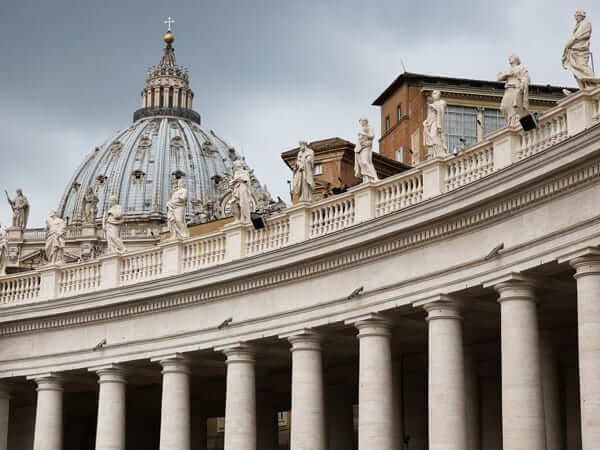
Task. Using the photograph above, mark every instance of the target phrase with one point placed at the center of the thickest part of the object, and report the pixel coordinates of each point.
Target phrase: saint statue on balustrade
(434, 127)
(304, 180)
(363, 153)
(56, 230)
(515, 102)
(176, 211)
(112, 221)
(576, 55)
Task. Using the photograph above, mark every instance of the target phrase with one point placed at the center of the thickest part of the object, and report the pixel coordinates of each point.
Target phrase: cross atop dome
(169, 22)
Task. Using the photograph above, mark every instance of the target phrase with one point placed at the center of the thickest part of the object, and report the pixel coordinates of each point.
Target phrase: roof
(417, 79)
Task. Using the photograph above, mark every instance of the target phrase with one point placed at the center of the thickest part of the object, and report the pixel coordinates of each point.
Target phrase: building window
(318, 169)
(388, 125)
(461, 127)
(492, 120)
(399, 112)
(400, 154)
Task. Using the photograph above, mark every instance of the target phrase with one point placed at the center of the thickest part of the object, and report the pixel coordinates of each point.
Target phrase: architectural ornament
(112, 221)
(304, 180)
(576, 55)
(363, 153)
(3, 250)
(20, 208)
(90, 206)
(515, 103)
(434, 127)
(56, 230)
(176, 211)
(241, 201)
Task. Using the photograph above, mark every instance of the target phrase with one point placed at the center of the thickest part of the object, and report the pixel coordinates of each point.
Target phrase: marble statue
(434, 127)
(576, 55)
(363, 153)
(515, 103)
(241, 201)
(112, 221)
(202, 210)
(90, 206)
(303, 178)
(56, 230)
(3, 250)
(20, 208)
(176, 211)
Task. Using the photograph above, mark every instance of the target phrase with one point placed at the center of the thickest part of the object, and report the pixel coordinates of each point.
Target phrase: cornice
(339, 251)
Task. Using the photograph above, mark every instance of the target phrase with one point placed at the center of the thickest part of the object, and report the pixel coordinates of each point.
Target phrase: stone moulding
(548, 187)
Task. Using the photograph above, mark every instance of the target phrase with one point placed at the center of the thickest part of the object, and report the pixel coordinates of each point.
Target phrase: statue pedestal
(15, 234)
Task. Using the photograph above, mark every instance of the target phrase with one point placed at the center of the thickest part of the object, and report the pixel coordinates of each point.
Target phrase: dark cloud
(265, 73)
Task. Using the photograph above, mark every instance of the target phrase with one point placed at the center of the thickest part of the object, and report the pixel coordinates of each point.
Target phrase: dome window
(75, 187)
(100, 180)
(137, 177)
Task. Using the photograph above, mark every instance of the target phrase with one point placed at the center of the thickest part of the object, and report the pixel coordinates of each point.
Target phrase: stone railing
(305, 221)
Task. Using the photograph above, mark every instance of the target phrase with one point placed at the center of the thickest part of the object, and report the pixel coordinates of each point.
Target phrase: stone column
(447, 400)
(588, 316)
(340, 418)
(48, 434)
(308, 406)
(4, 415)
(523, 422)
(267, 425)
(375, 403)
(175, 415)
(110, 430)
(550, 386)
(240, 401)
(156, 97)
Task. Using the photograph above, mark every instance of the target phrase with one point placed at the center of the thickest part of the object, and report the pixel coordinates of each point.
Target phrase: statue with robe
(434, 127)
(576, 55)
(241, 201)
(176, 211)
(56, 230)
(90, 206)
(3, 250)
(303, 179)
(363, 153)
(111, 222)
(515, 102)
(20, 208)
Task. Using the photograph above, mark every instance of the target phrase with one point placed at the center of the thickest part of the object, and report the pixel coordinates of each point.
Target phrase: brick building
(473, 111)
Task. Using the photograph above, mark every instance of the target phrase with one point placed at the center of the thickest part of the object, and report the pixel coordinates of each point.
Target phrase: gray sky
(265, 73)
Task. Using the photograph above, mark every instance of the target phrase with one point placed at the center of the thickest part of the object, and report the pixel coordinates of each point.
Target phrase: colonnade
(524, 412)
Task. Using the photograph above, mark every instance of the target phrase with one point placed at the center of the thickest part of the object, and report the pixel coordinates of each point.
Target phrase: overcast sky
(264, 73)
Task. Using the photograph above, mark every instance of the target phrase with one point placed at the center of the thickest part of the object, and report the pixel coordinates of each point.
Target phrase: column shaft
(175, 414)
(110, 430)
(523, 421)
(375, 403)
(588, 316)
(308, 406)
(240, 401)
(447, 400)
(48, 434)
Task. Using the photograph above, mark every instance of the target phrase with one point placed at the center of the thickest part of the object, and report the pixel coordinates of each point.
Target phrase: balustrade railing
(79, 278)
(18, 288)
(470, 165)
(399, 192)
(275, 235)
(552, 129)
(207, 251)
(140, 266)
(34, 234)
(333, 215)
(572, 115)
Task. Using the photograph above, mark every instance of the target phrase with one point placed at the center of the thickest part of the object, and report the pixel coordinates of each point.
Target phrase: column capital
(174, 363)
(513, 286)
(110, 373)
(304, 340)
(371, 325)
(587, 255)
(238, 353)
(48, 382)
(443, 309)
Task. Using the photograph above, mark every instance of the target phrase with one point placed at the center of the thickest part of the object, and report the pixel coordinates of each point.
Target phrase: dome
(165, 143)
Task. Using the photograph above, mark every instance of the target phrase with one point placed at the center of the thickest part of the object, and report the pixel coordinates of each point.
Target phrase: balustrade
(275, 235)
(204, 252)
(573, 114)
(397, 193)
